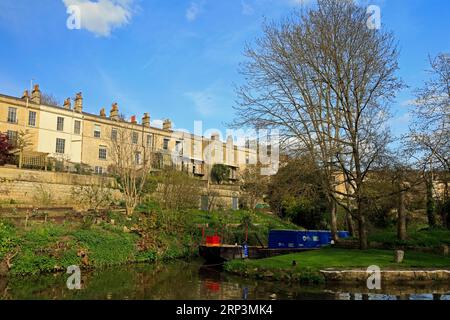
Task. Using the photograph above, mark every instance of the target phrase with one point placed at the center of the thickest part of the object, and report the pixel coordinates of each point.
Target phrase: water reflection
(191, 280)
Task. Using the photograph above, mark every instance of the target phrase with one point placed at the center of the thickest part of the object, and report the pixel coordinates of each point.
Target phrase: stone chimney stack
(79, 103)
(67, 104)
(36, 94)
(146, 120)
(114, 113)
(215, 136)
(25, 95)
(167, 125)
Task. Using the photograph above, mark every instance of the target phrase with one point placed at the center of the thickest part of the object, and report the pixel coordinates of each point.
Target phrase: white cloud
(203, 101)
(299, 2)
(211, 100)
(102, 16)
(247, 9)
(157, 123)
(194, 10)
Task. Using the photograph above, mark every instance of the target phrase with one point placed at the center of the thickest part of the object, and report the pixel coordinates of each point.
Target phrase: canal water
(191, 280)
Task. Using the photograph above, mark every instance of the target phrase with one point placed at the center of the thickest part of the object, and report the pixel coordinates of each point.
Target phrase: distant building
(74, 137)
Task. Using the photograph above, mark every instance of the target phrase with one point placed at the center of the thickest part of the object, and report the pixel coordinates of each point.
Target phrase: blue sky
(176, 59)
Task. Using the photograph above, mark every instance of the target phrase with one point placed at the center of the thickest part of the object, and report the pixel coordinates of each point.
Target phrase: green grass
(416, 238)
(257, 217)
(313, 261)
(49, 247)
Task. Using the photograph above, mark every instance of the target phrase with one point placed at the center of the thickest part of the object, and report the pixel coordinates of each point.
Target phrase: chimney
(36, 94)
(114, 113)
(215, 136)
(78, 103)
(102, 113)
(67, 104)
(167, 125)
(25, 95)
(133, 120)
(146, 120)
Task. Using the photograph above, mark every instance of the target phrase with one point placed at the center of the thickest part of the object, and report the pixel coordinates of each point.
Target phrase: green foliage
(151, 234)
(8, 238)
(106, 248)
(295, 192)
(81, 168)
(220, 173)
(44, 248)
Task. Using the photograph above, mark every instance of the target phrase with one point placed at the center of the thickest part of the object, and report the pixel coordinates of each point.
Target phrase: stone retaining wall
(392, 276)
(46, 188)
(30, 187)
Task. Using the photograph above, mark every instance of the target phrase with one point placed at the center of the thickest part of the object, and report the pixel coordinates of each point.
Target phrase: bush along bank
(111, 240)
(307, 267)
(101, 240)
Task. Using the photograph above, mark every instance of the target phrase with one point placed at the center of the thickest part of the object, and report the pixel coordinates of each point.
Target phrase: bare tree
(429, 137)
(430, 131)
(49, 99)
(131, 164)
(95, 196)
(324, 79)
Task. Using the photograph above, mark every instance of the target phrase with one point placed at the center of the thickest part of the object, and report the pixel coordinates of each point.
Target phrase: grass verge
(308, 264)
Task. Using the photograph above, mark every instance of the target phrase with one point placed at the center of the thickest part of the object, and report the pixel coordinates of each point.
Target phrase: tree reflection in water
(191, 280)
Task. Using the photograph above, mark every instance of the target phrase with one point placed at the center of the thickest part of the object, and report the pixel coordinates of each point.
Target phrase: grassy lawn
(417, 238)
(342, 258)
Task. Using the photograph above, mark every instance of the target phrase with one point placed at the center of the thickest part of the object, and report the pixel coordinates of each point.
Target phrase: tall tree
(323, 78)
(429, 136)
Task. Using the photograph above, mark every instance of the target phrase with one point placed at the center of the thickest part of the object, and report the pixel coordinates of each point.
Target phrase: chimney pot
(114, 113)
(36, 94)
(25, 95)
(79, 103)
(167, 125)
(67, 104)
(146, 120)
(215, 136)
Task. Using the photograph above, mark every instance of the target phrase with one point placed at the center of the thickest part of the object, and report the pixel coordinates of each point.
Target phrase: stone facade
(73, 136)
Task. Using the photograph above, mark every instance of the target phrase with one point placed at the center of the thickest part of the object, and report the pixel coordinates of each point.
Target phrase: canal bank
(344, 265)
(35, 244)
(191, 280)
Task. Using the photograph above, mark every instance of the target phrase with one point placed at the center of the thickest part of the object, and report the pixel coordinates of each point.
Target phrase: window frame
(100, 153)
(77, 129)
(12, 137)
(166, 143)
(138, 158)
(63, 141)
(12, 111)
(59, 124)
(135, 137)
(99, 131)
(34, 118)
(114, 133)
(98, 170)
